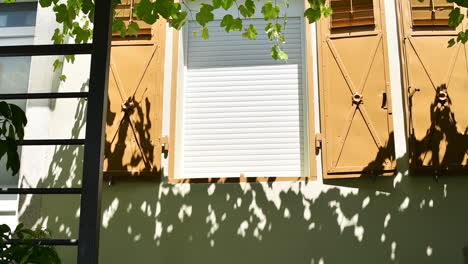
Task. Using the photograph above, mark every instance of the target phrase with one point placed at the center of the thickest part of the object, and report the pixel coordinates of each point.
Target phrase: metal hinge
(318, 141)
(164, 142)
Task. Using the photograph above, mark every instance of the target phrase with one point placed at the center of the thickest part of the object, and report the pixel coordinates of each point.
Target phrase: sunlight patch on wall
(307, 213)
(109, 212)
(258, 212)
(404, 205)
(429, 251)
(211, 189)
(387, 220)
(211, 219)
(184, 211)
(365, 202)
(393, 247)
(345, 222)
(242, 230)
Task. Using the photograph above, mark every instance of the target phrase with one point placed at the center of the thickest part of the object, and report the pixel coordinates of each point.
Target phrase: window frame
(179, 82)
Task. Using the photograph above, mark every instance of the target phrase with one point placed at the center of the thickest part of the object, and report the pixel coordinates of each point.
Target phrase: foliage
(12, 122)
(25, 250)
(456, 18)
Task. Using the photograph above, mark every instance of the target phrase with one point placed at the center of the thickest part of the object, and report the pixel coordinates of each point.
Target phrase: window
(17, 23)
(239, 112)
(125, 11)
(18, 14)
(430, 12)
(352, 13)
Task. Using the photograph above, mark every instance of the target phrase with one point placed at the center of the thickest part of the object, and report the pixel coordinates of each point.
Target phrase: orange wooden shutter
(134, 114)
(355, 101)
(351, 13)
(436, 92)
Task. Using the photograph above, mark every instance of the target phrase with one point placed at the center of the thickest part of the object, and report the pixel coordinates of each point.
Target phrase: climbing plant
(18, 246)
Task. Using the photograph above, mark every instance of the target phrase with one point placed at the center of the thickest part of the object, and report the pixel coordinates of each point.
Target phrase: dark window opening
(18, 14)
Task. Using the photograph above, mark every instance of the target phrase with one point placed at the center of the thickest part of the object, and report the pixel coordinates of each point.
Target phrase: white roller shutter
(243, 111)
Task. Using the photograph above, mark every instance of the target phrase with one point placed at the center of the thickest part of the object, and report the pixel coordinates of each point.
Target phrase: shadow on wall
(365, 220)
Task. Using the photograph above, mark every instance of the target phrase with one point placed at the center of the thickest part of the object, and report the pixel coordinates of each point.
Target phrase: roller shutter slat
(243, 110)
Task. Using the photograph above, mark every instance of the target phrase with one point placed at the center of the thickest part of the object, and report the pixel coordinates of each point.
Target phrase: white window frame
(176, 166)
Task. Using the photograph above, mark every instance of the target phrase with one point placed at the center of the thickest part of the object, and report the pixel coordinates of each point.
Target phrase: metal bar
(40, 191)
(51, 142)
(19, 96)
(90, 210)
(45, 50)
(45, 242)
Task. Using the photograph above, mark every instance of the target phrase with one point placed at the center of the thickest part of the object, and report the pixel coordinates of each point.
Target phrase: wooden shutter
(352, 13)
(125, 12)
(134, 114)
(436, 92)
(355, 101)
(430, 12)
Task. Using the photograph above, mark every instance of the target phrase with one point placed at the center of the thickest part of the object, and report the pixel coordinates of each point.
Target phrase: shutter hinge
(318, 141)
(164, 142)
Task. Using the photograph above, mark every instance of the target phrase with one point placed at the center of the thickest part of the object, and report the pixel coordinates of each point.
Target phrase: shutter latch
(318, 141)
(164, 142)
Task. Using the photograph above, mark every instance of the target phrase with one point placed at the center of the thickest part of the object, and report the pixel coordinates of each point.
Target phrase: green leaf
(146, 11)
(82, 35)
(19, 120)
(4, 229)
(62, 78)
(451, 43)
(57, 64)
(270, 11)
(455, 18)
(58, 37)
(217, 4)
(133, 29)
(119, 26)
(5, 110)
(231, 24)
(273, 30)
(248, 9)
(205, 33)
(205, 14)
(327, 11)
(312, 14)
(250, 32)
(179, 20)
(164, 8)
(45, 3)
(277, 53)
(226, 4)
(70, 58)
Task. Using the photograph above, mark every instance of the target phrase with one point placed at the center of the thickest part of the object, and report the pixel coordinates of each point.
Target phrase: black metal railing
(90, 191)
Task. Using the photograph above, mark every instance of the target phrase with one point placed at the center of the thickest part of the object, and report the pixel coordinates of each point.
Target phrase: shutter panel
(436, 82)
(347, 13)
(243, 110)
(135, 106)
(355, 102)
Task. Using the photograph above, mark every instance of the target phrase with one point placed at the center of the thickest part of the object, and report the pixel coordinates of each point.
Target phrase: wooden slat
(352, 13)
(431, 12)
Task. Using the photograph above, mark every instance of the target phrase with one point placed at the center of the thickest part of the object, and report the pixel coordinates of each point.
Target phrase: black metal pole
(90, 213)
